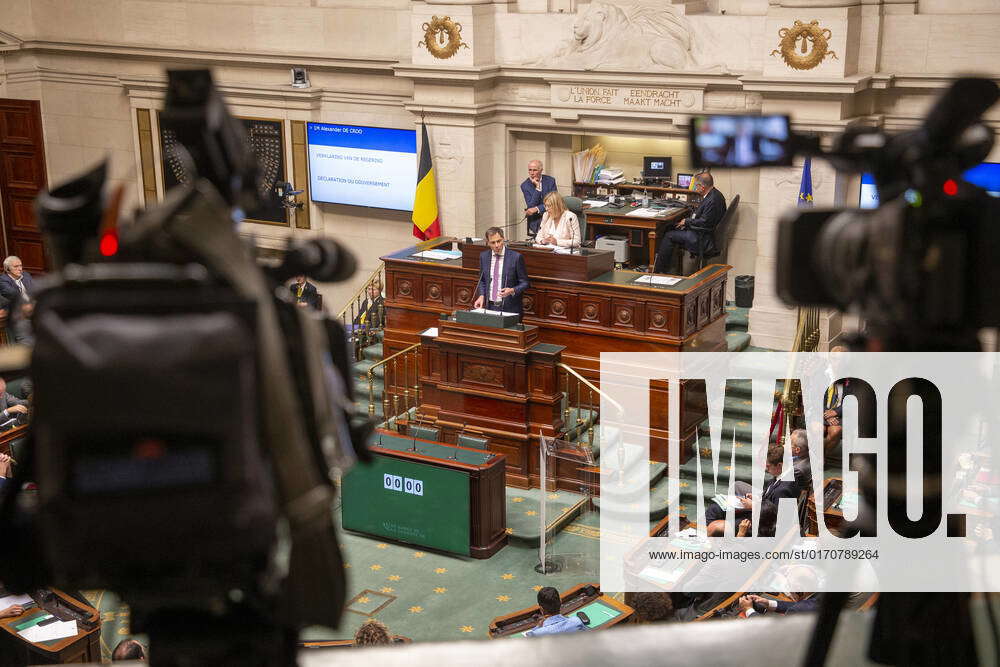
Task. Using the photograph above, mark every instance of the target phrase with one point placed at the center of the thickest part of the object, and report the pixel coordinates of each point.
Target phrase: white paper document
(438, 254)
(495, 313)
(644, 213)
(11, 600)
(650, 279)
(45, 633)
(433, 332)
(594, 202)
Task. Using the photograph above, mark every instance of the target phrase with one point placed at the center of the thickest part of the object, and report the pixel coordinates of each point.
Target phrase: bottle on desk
(645, 198)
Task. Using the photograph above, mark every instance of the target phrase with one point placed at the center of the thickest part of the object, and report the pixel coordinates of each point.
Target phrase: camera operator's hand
(14, 610)
(17, 409)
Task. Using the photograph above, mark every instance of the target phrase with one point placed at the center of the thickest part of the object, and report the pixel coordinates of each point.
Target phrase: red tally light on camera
(950, 187)
(109, 243)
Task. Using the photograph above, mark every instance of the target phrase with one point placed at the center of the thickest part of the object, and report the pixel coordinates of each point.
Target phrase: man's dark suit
(309, 294)
(708, 215)
(811, 603)
(533, 197)
(513, 274)
(9, 290)
(774, 491)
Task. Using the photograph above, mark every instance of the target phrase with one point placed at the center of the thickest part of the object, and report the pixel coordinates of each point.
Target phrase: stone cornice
(435, 74)
(798, 86)
(203, 57)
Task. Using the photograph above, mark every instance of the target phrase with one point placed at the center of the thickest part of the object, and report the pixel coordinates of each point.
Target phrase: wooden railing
(363, 316)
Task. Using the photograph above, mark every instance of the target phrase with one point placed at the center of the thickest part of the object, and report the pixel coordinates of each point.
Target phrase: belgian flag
(426, 223)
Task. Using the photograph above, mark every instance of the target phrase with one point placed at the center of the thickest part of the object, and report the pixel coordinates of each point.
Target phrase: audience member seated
(651, 607)
(774, 488)
(559, 225)
(798, 577)
(554, 622)
(372, 633)
(11, 611)
(304, 293)
(129, 649)
(17, 290)
(370, 311)
(4, 471)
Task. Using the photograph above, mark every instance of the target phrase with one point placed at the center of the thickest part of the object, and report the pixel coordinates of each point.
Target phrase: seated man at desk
(502, 275)
(707, 216)
(559, 225)
(553, 622)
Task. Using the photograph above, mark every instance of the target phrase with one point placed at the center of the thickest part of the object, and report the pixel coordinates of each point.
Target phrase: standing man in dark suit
(707, 217)
(304, 293)
(534, 188)
(17, 291)
(502, 276)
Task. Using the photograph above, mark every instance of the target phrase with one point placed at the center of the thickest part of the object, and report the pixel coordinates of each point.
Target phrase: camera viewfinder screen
(740, 141)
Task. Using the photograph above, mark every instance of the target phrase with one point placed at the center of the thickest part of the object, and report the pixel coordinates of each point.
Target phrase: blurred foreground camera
(188, 417)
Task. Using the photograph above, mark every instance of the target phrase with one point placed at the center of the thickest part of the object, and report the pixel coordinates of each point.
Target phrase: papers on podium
(650, 279)
(438, 254)
(45, 633)
(493, 313)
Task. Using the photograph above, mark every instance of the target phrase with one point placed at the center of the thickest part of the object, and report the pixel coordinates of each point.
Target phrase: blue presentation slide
(869, 192)
(362, 166)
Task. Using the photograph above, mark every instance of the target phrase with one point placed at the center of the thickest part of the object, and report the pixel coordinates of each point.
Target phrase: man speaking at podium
(502, 276)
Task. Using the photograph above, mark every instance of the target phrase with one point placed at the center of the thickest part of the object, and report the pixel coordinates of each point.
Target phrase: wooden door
(22, 175)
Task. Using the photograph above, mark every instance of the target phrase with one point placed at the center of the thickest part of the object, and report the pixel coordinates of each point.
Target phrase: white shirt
(566, 229)
(496, 274)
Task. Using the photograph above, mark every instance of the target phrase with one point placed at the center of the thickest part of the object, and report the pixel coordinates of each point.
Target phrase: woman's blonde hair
(555, 205)
(372, 633)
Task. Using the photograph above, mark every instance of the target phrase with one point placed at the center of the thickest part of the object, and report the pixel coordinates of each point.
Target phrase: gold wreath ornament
(442, 37)
(812, 42)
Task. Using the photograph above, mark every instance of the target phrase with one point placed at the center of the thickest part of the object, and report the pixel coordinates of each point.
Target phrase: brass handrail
(592, 387)
(362, 289)
(385, 386)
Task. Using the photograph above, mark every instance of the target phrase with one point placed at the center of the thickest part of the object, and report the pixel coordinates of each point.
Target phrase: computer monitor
(684, 180)
(656, 167)
(868, 196)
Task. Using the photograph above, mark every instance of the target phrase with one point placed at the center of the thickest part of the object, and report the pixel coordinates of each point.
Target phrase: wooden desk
(582, 264)
(638, 230)
(460, 506)
(348, 643)
(84, 646)
(573, 600)
(585, 190)
(833, 490)
(7, 437)
(609, 313)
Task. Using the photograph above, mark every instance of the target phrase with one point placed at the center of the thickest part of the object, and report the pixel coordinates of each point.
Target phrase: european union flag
(806, 188)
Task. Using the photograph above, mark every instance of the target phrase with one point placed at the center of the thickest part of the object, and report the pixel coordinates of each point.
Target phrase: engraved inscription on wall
(627, 97)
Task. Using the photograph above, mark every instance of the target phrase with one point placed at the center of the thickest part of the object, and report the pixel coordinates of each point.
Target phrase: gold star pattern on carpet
(747, 402)
(386, 589)
(440, 570)
(416, 609)
(503, 598)
(394, 577)
(508, 576)
(374, 568)
(536, 588)
(531, 513)
(553, 496)
(440, 589)
(364, 599)
(742, 424)
(381, 545)
(510, 531)
(737, 445)
(419, 554)
(684, 485)
(466, 628)
(517, 499)
(706, 451)
(682, 507)
(347, 566)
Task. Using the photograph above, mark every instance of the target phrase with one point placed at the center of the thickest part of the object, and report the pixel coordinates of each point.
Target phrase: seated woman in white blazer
(559, 226)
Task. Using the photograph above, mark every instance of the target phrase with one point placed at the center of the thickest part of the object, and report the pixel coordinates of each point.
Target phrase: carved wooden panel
(434, 290)
(718, 301)
(463, 293)
(23, 171)
(560, 306)
(530, 302)
(703, 305)
(17, 127)
(626, 315)
(31, 253)
(690, 317)
(594, 310)
(22, 216)
(405, 287)
(482, 373)
(661, 319)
